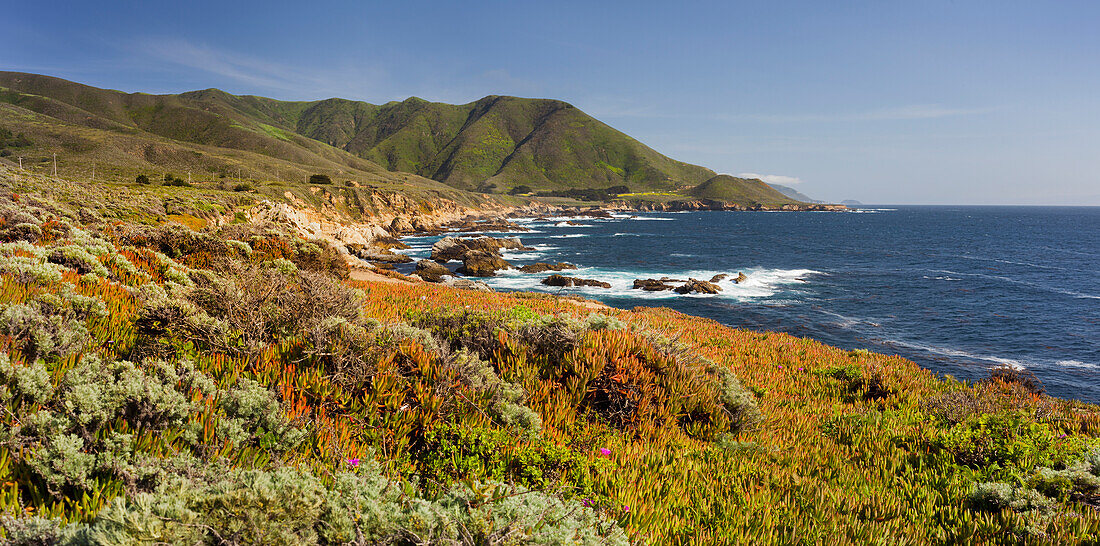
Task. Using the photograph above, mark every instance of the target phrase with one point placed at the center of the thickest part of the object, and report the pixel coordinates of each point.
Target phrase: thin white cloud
(256, 75)
(899, 113)
(773, 178)
(358, 80)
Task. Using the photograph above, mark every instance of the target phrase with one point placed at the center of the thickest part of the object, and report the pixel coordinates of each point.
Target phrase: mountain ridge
(493, 145)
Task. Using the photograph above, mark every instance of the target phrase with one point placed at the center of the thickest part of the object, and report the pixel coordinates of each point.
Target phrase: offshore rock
(562, 280)
(540, 267)
(698, 287)
(651, 285)
(741, 277)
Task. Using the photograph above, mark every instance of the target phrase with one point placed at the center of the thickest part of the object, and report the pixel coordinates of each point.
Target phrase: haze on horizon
(884, 102)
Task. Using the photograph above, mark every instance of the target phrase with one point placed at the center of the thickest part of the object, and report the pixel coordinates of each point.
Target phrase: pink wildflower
(605, 452)
(353, 462)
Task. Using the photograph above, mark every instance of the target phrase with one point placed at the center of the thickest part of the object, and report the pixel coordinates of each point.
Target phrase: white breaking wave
(761, 283)
(652, 218)
(1023, 283)
(567, 236)
(568, 225)
(957, 353)
(627, 235)
(1077, 364)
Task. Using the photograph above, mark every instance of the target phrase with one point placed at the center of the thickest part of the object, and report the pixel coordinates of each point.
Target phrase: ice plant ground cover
(163, 384)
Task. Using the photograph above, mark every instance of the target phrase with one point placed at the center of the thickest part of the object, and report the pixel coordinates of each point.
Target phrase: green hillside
(730, 189)
(493, 144)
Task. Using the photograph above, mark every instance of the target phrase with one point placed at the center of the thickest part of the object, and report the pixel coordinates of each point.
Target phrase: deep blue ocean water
(958, 290)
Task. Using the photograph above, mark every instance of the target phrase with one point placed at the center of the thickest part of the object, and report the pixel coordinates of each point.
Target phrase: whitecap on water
(761, 283)
(958, 353)
(1076, 364)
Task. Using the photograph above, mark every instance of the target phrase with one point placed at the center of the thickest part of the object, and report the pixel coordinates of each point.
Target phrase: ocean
(958, 290)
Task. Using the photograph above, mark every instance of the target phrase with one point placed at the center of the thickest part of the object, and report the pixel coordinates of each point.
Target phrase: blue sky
(885, 102)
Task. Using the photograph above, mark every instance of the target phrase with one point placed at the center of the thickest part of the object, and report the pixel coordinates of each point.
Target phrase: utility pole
(188, 177)
(93, 171)
(55, 164)
(20, 162)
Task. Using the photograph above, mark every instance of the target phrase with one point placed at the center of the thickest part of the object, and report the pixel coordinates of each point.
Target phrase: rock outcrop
(540, 267)
(741, 277)
(652, 285)
(719, 277)
(467, 284)
(373, 253)
(494, 225)
(432, 271)
(562, 280)
(479, 263)
(455, 248)
(695, 286)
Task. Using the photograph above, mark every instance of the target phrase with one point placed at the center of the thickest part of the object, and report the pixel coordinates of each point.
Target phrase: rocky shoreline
(374, 244)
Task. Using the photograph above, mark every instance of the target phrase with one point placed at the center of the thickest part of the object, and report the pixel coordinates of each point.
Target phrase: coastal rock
(467, 284)
(401, 225)
(651, 285)
(741, 277)
(420, 223)
(540, 267)
(455, 248)
(562, 280)
(698, 287)
(478, 263)
(373, 253)
(432, 271)
(719, 277)
(497, 225)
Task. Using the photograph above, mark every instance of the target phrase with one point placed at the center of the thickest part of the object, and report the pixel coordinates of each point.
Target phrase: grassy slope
(503, 141)
(739, 190)
(211, 136)
(854, 446)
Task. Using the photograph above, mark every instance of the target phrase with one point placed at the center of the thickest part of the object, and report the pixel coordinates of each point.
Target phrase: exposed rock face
(432, 271)
(401, 225)
(374, 254)
(719, 277)
(455, 248)
(498, 225)
(741, 277)
(467, 284)
(562, 280)
(652, 285)
(698, 287)
(315, 225)
(540, 267)
(479, 263)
